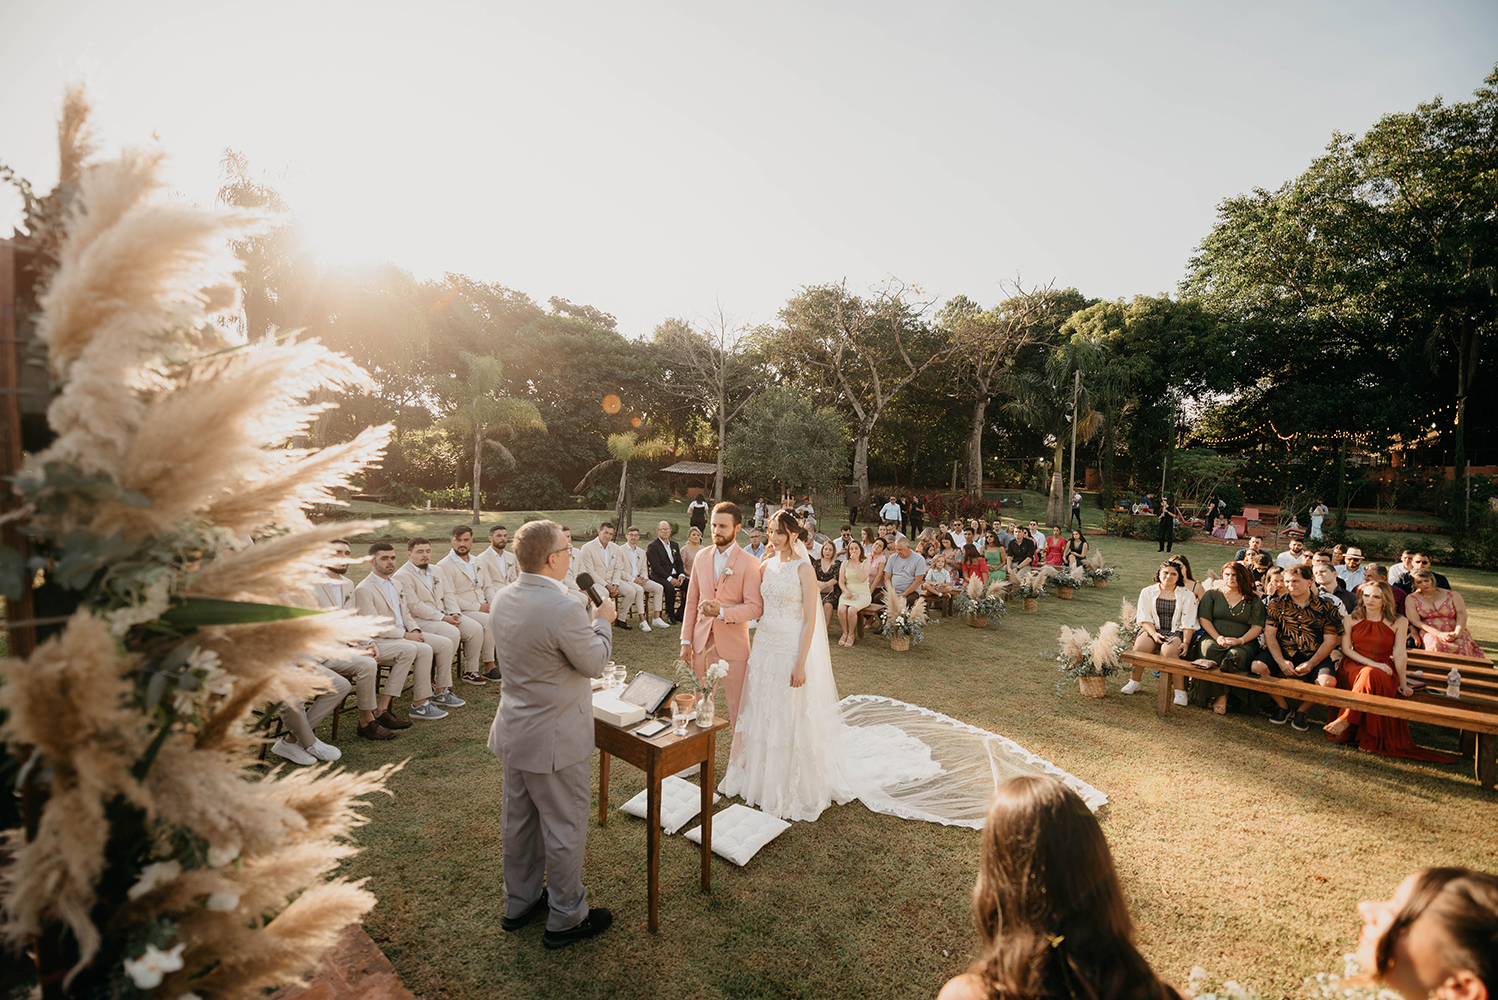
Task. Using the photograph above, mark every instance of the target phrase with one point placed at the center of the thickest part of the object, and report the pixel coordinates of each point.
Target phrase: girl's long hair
(1049, 906)
(1463, 904)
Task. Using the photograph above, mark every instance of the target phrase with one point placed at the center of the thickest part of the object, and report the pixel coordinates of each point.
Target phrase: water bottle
(1454, 683)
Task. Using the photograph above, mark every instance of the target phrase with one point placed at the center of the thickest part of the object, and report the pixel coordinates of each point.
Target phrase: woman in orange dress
(1373, 651)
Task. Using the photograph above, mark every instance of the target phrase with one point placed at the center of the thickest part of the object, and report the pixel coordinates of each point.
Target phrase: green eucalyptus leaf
(12, 572)
(198, 612)
(155, 689)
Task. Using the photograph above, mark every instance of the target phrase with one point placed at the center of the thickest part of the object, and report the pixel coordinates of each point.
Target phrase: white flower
(153, 875)
(223, 902)
(148, 970)
(716, 672)
(1197, 974)
(220, 856)
(728, 571)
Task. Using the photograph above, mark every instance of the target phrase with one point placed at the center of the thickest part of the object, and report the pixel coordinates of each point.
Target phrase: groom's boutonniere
(728, 571)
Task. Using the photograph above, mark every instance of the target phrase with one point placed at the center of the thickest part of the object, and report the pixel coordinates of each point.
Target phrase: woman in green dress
(993, 552)
(1233, 618)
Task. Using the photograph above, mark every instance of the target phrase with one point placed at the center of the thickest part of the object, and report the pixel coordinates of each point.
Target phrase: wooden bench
(1463, 715)
(871, 615)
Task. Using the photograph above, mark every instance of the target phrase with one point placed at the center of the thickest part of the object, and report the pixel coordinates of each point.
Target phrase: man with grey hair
(663, 558)
(543, 732)
(905, 571)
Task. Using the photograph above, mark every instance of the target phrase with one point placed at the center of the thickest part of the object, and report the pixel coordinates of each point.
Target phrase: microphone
(585, 584)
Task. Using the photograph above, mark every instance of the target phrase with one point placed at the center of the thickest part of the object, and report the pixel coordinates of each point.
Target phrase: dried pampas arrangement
(157, 858)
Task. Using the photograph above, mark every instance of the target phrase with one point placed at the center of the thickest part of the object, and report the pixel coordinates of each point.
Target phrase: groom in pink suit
(722, 599)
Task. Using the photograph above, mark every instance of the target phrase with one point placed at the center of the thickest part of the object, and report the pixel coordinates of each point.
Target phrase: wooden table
(658, 757)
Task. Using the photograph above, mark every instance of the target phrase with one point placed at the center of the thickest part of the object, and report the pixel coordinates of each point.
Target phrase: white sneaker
(322, 751)
(644, 625)
(657, 623)
(1130, 687)
(292, 752)
(1181, 698)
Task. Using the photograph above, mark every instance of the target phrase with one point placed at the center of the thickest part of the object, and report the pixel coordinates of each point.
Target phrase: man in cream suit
(570, 579)
(604, 561)
(378, 597)
(637, 570)
(543, 732)
(467, 590)
(424, 592)
(498, 562)
(334, 590)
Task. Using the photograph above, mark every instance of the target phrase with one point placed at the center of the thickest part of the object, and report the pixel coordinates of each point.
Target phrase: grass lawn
(1243, 847)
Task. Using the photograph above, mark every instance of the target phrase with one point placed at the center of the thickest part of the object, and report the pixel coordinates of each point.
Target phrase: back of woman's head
(1048, 902)
(1462, 904)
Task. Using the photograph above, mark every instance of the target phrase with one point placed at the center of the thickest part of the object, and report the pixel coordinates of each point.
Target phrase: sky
(663, 159)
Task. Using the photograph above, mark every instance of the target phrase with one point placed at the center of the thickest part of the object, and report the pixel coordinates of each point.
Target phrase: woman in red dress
(1055, 549)
(1373, 651)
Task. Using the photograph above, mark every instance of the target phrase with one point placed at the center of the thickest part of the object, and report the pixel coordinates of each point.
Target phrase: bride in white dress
(797, 749)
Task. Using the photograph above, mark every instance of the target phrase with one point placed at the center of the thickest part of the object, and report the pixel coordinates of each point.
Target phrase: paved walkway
(353, 969)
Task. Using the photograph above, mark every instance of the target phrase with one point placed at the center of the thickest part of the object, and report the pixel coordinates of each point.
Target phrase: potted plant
(1067, 582)
(1029, 588)
(1097, 572)
(1091, 660)
(902, 624)
(978, 603)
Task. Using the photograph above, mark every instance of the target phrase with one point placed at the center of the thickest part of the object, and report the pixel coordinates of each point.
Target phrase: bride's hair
(784, 520)
(1048, 903)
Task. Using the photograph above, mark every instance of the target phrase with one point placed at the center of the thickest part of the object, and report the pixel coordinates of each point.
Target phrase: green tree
(480, 410)
(783, 438)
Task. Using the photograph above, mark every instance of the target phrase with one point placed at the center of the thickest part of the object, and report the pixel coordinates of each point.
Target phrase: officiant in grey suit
(543, 732)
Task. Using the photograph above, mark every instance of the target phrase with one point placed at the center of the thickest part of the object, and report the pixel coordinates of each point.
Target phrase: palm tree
(1105, 384)
(478, 409)
(1042, 400)
(624, 448)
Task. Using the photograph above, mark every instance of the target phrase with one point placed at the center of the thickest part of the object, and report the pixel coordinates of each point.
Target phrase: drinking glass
(681, 714)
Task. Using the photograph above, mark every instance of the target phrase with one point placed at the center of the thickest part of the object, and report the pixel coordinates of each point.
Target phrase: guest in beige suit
(606, 564)
(425, 592)
(467, 591)
(378, 597)
(498, 562)
(569, 579)
(334, 590)
(638, 573)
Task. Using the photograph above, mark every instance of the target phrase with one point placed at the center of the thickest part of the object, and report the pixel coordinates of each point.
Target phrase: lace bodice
(780, 586)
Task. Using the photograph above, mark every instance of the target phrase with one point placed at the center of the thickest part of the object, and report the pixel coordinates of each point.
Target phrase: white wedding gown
(798, 750)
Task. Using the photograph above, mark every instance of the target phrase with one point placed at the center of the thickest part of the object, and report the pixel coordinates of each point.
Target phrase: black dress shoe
(595, 923)
(621, 623)
(537, 908)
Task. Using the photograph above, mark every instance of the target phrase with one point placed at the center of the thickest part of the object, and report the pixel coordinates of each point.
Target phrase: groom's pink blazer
(737, 590)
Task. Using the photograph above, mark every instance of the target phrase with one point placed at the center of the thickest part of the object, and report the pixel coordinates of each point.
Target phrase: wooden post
(22, 640)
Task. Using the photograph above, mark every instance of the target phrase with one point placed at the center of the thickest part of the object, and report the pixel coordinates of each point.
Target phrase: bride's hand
(798, 675)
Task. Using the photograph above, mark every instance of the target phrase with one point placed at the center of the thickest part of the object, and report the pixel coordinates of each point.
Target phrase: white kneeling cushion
(680, 801)
(739, 832)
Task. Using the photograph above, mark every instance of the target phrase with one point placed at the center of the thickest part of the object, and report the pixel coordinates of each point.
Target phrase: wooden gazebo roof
(692, 469)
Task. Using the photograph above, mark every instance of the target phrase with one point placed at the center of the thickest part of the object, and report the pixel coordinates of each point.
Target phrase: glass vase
(705, 709)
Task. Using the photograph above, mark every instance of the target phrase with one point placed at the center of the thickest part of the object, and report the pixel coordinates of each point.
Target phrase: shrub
(404, 495)
(534, 489)
(450, 497)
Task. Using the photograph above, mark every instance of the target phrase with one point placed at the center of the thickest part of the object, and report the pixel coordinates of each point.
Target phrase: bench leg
(1486, 765)
(1164, 694)
(1468, 743)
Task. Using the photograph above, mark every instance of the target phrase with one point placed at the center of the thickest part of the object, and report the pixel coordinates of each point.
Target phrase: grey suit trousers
(544, 826)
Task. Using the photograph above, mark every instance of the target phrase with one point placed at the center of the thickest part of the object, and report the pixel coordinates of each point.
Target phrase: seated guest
(867, 537)
(1166, 613)
(1300, 633)
(1377, 574)
(853, 582)
(1022, 552)
(844, 536)
(1253, 545)
(958, 535)
(825, 565)
(1055, 549)
(466, 586)
(939, 582)
(1330, 586)
(1399, 573)
(1005, 535)
(435, 613)
(1338, 553)
(613, 580)
(569, 578)
(878, 553)
(666, 568)
(300, 745)
(1076, 548)
(497, 562)
(1273, 585)
(1260, 563)
(637, 571)
(1423, 561)
(1439, 616)
(1435, 937)
(756, 546)
(402, 645)
(904, 572)
(1294, 557)
(1039, 536)
(995, 555)
(689, 551)
(973, 564)
(928, 550)
(950, 549)
(1373, 662)
(1233, 618)
(1050, 909)
(1219, 527)
(333, 589)
(1188, 580)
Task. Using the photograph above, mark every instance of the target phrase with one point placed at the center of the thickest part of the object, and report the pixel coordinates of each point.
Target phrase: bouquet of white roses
(686, 677)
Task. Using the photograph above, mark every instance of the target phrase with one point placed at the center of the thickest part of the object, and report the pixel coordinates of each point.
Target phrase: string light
(1366, 439)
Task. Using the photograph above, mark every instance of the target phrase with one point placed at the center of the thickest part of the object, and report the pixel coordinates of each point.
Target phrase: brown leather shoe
(372, 730)
(390, 720)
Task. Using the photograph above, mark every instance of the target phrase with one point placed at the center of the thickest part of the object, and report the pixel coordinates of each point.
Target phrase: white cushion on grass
(739, 832)
(680, 801)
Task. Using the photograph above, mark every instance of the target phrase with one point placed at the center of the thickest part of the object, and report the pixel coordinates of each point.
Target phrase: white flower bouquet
(901, 620)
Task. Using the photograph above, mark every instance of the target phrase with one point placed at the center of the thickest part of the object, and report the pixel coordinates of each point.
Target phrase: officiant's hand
(798, 675)
(709, 608)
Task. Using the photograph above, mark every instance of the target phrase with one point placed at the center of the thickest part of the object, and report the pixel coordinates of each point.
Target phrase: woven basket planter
(1030, 604)
(978, 621)
(899, 643)
(1065, 593)
(1093, 687)
(1100, 583)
